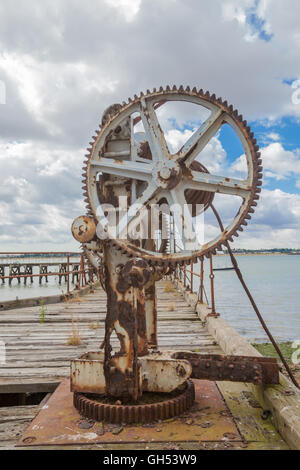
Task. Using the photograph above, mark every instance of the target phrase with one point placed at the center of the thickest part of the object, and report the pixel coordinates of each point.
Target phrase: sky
(62, 62)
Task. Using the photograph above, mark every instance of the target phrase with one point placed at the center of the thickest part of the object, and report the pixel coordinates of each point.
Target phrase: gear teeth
(148, 92)
(187, 89)
(161, 89)
(201, 92)
(174, 88)
(168, 88)
(225, 103)
(240, 118)
(130, 100)
(154, 90)
(213, 97)
(136, 97)
(245, 123)
(141, 94)
(181, 88)
(207, 94)
(230, 108)
(194, 90)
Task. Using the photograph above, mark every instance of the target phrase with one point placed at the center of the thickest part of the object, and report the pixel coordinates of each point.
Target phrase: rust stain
(208, 420)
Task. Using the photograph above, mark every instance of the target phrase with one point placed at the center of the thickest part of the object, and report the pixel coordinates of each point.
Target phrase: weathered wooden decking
(37, 354)
(38, 357)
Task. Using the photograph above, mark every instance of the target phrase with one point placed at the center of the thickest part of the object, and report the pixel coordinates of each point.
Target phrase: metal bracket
(256, 370)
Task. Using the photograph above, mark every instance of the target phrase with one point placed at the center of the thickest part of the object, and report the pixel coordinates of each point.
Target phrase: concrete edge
(285, 408)
(50, 299)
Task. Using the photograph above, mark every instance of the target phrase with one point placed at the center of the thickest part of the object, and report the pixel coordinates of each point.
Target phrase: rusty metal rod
(201, 275)
(266, 329)
(212, 290)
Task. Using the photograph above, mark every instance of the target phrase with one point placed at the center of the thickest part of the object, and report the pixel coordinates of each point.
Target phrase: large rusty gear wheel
(179, 167)
(126, 414)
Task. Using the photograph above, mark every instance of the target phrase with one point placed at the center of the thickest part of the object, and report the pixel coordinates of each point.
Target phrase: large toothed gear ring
(126, 414)
(170, 177)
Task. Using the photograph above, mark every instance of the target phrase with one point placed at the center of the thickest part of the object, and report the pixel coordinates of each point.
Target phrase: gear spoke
(134, 210)
(183, 219)
(124, 168)
(217, 184)
(200, 138)
(154, 133)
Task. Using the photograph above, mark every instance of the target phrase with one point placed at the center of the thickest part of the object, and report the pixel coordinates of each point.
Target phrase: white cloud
(129, 8)
(279, 162)
(273, 136)
(63, 63)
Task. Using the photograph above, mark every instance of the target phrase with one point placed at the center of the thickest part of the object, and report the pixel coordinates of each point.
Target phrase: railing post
(68, 271)
(212, 291)
(192, 276)
(184, 274)
(201, 289)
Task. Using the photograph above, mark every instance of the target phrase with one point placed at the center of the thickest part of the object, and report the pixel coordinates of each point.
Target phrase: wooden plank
(246, 411)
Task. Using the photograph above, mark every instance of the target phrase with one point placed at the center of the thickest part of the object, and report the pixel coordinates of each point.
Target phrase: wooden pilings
(70, 272)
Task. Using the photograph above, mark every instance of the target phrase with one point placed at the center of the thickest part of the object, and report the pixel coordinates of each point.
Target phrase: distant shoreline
(260, 254)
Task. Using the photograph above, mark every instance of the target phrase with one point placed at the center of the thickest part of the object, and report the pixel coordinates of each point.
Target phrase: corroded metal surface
(125, 281)
(83, 229)
(166, 408)
(160, 372)
(256, 370)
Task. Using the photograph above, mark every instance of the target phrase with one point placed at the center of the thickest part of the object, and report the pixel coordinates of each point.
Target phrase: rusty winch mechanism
(138, 169)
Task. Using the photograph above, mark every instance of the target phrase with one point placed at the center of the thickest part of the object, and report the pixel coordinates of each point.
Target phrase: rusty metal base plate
(59, 423)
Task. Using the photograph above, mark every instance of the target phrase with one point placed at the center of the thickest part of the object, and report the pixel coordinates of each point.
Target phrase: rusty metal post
(192, 276)
(68, 271)
(201, 289)
(125, 281)
(184, 274)
(213, 312)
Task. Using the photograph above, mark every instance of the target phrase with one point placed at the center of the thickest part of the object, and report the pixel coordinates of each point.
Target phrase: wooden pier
(39, 348)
